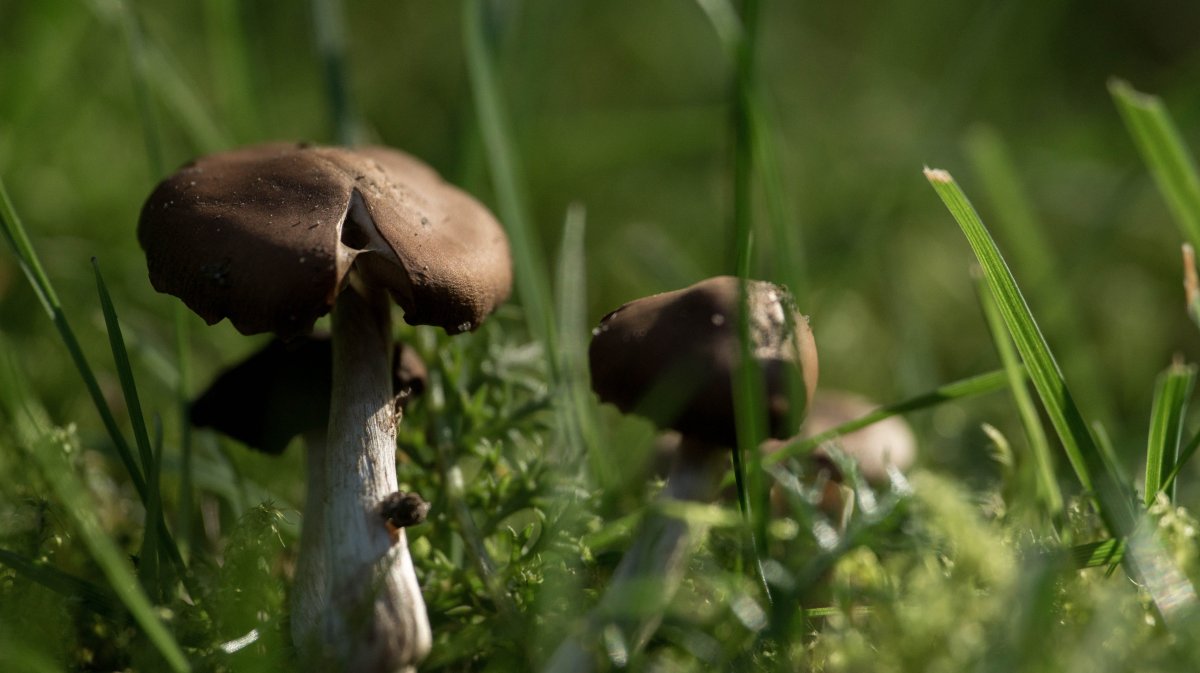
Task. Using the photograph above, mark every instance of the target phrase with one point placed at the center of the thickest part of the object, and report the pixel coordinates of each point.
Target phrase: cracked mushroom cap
(283, 390)
(266, 236)
(672, 357)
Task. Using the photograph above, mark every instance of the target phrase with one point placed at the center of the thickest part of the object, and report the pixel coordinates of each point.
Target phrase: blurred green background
(622, 106)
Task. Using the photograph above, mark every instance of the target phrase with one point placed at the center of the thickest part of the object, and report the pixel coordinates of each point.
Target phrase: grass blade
(328, 22)
(571, 309)
(1171, 396)
(72, 493)
(1097, 554)
(1035, 434)
(157, 539)
(532, 283)
(1085, 457)
(75, 588)
(116, 342)
(48, 450)
(981, 384)
(1147, 562)
(1163, 150)
(18, 242)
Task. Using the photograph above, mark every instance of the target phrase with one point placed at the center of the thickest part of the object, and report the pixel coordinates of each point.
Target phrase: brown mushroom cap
(283, 390)
(266, 235)
(672, 357)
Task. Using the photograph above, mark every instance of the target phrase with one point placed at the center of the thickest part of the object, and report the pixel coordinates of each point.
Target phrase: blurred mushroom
(672, 358)
(273, 237)
(875, 450)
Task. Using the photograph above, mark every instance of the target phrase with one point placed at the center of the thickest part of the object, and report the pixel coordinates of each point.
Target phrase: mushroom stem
(375, 619)
(310, 593)
(650, 572)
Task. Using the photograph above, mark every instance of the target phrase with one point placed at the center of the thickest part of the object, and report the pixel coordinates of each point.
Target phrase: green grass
(632, 148)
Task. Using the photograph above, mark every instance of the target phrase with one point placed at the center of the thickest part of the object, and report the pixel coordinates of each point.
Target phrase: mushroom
(274, 236)
(673, 358)
(875, 450)
(282, 391)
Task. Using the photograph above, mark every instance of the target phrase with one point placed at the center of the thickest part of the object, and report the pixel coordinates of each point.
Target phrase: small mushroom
(875, 450)
(274, 236)
(673, 358)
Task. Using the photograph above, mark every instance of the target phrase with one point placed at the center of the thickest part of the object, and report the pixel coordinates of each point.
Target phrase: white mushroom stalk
(377, 619)
(653, 567)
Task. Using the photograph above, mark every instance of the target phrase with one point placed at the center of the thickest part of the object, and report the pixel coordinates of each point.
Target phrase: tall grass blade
(116, 342)
(163, 77)
(231, 70)
(571, 311)
(157, 539)
(139, 64)
(1163, 150)
(1015, 214)
(329, 24)
(974, 386)
(533, 285)
(749, 401)
(18, 242)
(1148, 563)
(1035, 434)
(1172, 393)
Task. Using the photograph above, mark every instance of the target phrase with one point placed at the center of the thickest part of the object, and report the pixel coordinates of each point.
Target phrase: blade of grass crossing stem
(153, 577)
(974, 386)
(124, 371)
(1184, 456)
(1171, 396)
(157, 542)
(136, 45)
(1169, 590)
(749, 403)
(1165, 153)
(182, 407)
(571, 305)
(1035, 434)
(69, 586)
(18, 241)
(503, 164)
